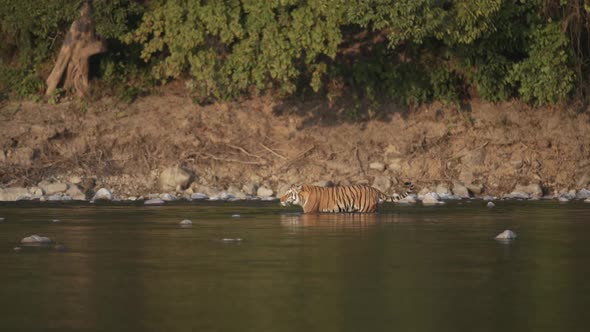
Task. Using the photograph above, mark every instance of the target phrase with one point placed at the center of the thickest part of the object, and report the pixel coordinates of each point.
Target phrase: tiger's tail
(398, 197)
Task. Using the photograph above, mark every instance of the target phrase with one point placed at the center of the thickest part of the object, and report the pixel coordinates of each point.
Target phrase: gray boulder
(506, 235)
(167, 197)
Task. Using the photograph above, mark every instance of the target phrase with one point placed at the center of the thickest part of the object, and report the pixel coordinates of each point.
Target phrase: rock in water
(583, 194)
(186, 223)
(491, 204)
(506, 235)
(103, 194)
(36, 239)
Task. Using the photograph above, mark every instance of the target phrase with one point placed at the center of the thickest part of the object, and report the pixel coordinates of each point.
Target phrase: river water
(408, 268)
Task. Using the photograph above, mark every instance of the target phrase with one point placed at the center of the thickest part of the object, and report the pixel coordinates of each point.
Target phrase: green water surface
(408, 268)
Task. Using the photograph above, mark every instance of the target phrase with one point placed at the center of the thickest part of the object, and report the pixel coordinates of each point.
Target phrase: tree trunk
(80, 44)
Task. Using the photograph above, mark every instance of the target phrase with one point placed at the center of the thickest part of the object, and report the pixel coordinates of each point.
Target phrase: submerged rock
(491, 204)
(235, 215)
(186, 222)
(36, 239)
(506, 235)
(587, 200)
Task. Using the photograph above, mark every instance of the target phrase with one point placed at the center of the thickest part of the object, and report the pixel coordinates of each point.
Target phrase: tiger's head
(292, 196)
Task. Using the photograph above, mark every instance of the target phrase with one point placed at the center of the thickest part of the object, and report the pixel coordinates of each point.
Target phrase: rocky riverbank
(168, 148)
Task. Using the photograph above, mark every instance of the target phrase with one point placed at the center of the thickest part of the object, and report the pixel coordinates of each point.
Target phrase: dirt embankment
(490, 148)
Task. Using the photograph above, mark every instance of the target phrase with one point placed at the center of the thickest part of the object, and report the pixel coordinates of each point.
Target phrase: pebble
(36, 239)
(491, 204)
(235, 215)
(506, 235)
(231, 239)
(154, 201)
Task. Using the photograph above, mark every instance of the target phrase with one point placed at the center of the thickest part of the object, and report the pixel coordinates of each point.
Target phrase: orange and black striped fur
(356, 198)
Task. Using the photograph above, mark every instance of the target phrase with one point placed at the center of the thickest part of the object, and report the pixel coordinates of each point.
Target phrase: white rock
(199, 196)
(587, 200)
(168, 197)
(36, 239)
(563, 199)
(410, 199)
(132, 198)
(491, 204)
(506, 235)
(264, 192)
(173, 178)
(2, 219)
(431, 199)
(377, 166)
(231, 239)
(489, 198)
(154, 201)
(235, 215)
(186, 222)
(103, 194)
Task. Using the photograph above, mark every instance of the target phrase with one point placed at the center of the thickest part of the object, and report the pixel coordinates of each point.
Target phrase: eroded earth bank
(168, 145)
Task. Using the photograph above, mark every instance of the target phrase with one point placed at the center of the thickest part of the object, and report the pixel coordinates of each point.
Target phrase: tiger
(359, 198)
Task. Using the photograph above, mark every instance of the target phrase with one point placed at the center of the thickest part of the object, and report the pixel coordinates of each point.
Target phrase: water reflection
(337, 221)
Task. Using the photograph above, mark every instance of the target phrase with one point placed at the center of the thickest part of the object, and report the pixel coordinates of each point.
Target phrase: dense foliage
(409, 51)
